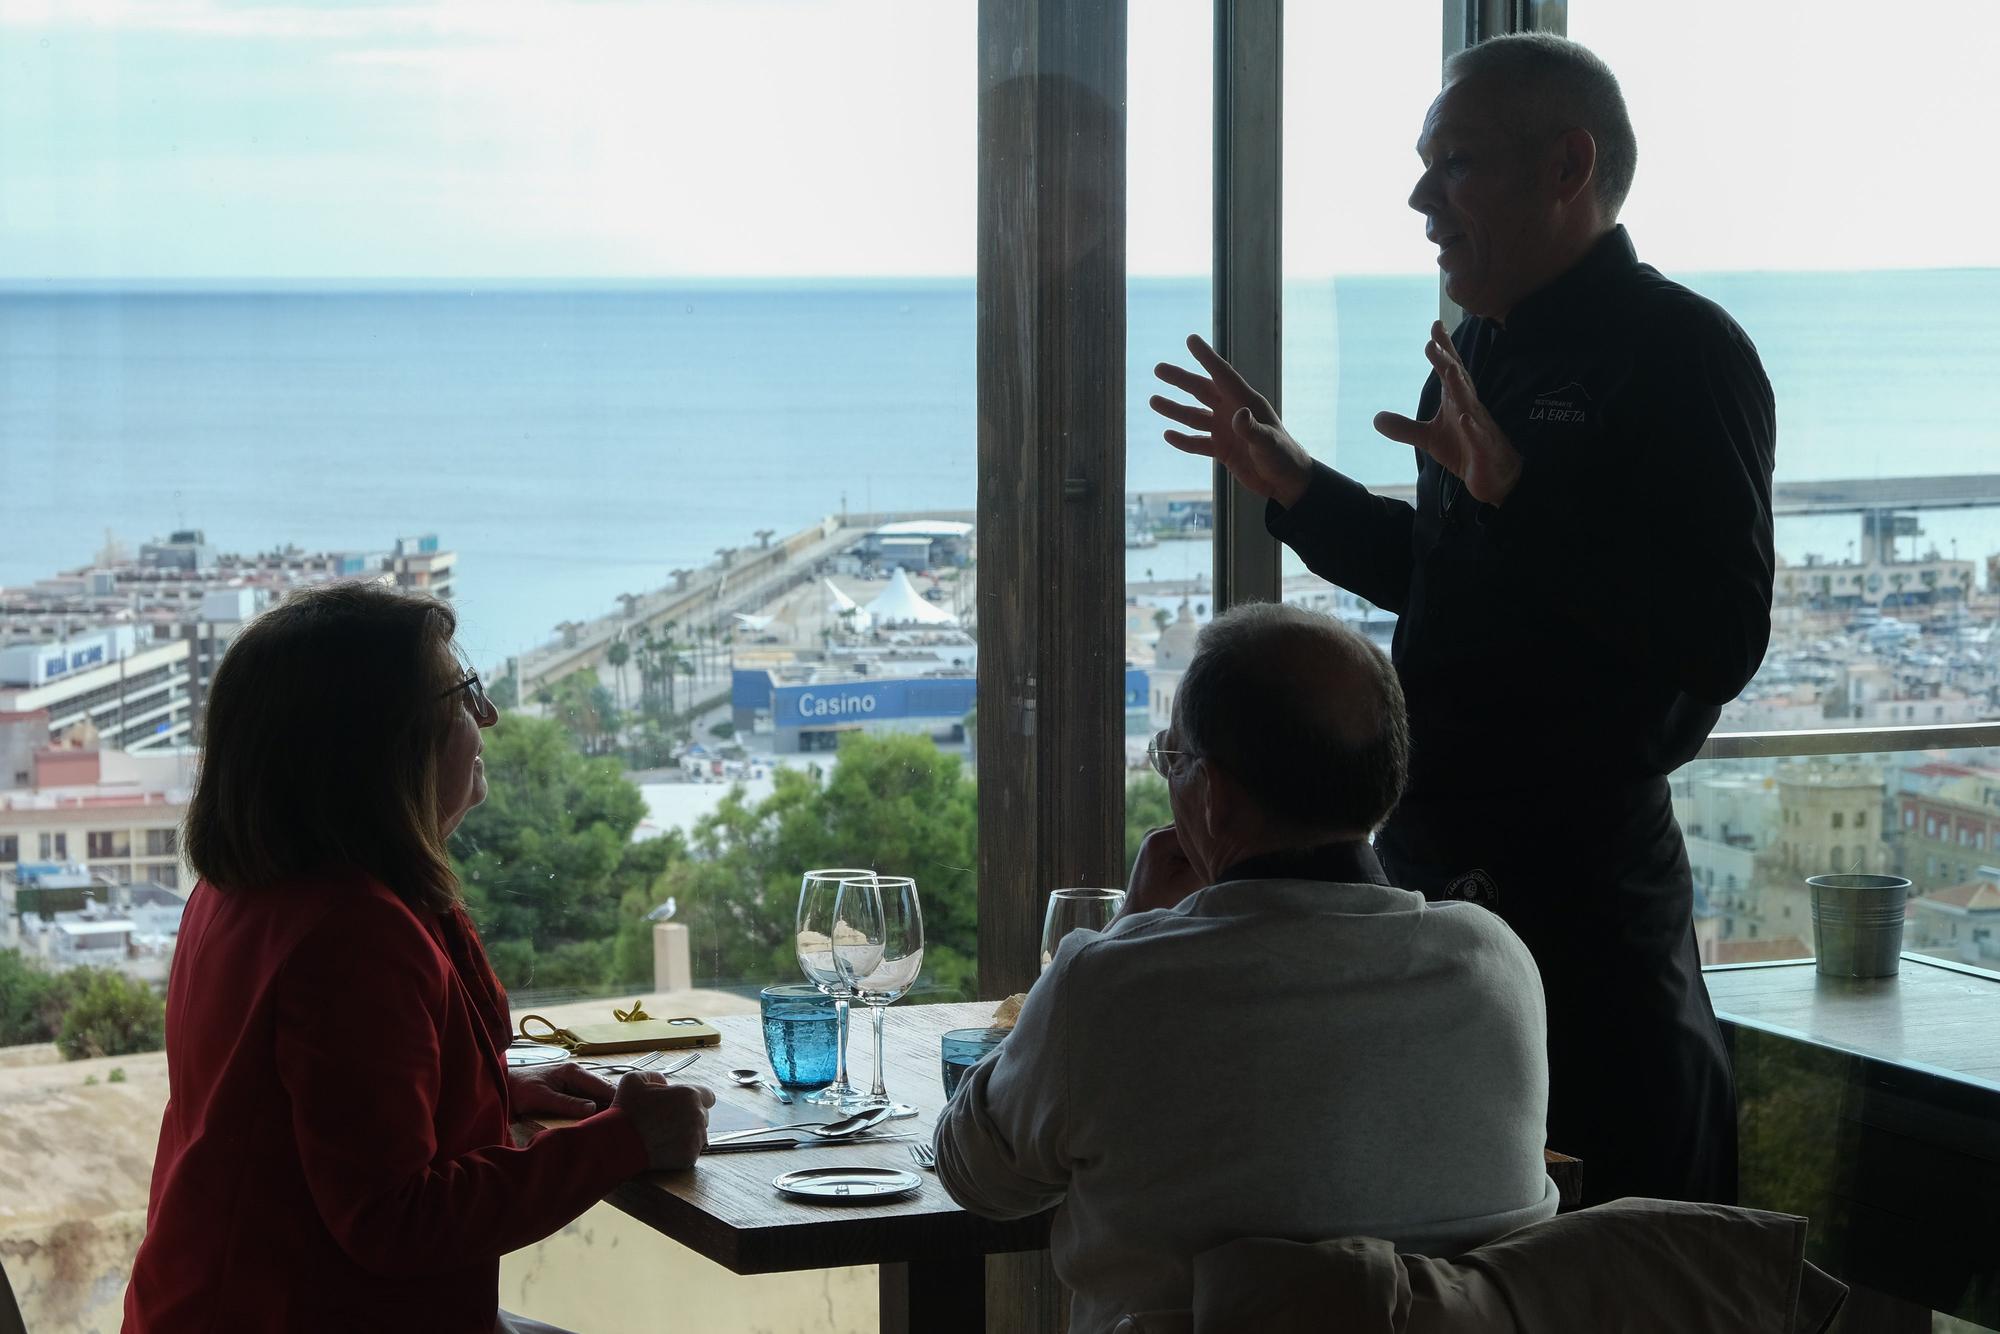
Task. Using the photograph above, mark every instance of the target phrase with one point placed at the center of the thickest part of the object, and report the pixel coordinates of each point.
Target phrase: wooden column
(1249, 265)
(1051, 339)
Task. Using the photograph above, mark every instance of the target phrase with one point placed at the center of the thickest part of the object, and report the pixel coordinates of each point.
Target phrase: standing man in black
(1583, 582)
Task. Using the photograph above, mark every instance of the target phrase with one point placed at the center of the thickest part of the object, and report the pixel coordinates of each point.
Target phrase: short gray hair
(1305, 714)
(1552, 84)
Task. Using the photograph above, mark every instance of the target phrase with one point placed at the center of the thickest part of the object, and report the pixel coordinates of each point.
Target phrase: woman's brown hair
(321, 742)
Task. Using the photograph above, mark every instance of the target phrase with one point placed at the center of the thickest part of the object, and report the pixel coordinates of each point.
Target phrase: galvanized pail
(1858, 923)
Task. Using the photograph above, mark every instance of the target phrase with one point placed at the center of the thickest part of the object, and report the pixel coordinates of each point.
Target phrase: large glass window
(1360, 287)
(1866, 313)
(1170, 496)
(643, 332)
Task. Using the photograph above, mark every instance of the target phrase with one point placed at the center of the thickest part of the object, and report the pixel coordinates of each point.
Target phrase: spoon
(841, 1129)
(754, 1079)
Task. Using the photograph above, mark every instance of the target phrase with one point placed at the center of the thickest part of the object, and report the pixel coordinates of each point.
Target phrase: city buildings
(167, 615)
(116, 814)
(70, 917)
(1948, 816)
(119, 686)
(1960, 922)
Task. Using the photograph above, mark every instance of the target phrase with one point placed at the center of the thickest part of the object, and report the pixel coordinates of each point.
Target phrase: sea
(575, 441)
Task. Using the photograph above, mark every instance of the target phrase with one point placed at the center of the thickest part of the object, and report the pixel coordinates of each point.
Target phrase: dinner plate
(847, 1185)
(534, 1053)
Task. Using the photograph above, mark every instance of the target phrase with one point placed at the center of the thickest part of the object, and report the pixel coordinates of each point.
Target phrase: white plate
(847, 1185)
(534, 1053)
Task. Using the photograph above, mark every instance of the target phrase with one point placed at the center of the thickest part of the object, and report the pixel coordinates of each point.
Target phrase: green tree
(112, 1015)
(33, 1000)
(503, 692)
(893, 802)
(583, 705)
(616, 656)
(547, 861)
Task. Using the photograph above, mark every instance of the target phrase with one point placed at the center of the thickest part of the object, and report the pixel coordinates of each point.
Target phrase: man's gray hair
(1551, 84)
(1305, 714)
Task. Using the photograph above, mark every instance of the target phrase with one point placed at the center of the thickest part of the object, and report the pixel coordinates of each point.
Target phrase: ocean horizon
(573, 440)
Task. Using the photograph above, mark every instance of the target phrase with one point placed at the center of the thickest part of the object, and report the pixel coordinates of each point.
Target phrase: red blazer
(336, 1152)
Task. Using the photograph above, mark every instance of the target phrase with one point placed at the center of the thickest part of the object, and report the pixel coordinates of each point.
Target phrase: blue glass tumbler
(801, 1034)
(963, 1048)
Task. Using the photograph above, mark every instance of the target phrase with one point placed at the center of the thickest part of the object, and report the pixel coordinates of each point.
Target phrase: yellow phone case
(641, 1035)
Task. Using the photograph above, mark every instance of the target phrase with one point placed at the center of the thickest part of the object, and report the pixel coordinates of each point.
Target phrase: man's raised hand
(1162, 875)
(1462, 437)
(1237, 427)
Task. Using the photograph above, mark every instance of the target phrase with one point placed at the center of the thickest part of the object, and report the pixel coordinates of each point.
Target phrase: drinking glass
(801, 1034)
(878, 945)
(819, 902)
(961, 1049)
(1070, 909)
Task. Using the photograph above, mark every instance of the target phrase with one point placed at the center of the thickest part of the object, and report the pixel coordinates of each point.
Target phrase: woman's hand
(672, 1118)
(565, 1090)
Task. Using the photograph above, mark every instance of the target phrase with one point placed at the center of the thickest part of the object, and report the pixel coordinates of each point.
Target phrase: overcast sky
(619, 138)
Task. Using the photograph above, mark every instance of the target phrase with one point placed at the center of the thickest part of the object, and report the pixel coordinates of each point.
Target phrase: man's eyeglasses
(1161, 756)
(475, 694)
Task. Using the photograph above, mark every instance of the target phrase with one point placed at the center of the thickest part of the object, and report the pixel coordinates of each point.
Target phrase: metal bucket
(1858, 923)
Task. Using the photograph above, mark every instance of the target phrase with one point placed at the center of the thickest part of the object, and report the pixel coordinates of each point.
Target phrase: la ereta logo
(1565, 405)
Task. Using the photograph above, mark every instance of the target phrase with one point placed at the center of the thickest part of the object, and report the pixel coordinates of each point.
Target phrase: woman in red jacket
(336, 1151)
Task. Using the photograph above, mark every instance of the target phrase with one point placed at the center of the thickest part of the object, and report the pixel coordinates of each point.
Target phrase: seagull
(663, 913)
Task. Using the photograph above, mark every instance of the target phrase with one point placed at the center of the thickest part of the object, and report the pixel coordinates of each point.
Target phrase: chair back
(1664, 1267)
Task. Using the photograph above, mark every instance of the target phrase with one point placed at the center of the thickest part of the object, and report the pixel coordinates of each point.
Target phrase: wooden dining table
(932, 1254)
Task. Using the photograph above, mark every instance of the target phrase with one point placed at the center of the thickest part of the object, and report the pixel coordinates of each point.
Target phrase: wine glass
(878, 945)
(1071, 909)
(819, 901)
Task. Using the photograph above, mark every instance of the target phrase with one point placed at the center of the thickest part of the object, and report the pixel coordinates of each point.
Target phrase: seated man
(1270, 1041)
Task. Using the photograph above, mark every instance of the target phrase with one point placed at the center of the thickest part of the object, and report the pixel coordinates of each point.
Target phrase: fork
(924, 1157)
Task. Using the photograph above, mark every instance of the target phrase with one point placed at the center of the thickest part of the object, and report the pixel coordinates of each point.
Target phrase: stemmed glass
(819, 907)
(1073, 909)
(878, 945)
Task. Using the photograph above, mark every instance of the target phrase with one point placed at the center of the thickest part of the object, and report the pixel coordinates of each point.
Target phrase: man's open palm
(1237, 425)
(1463, 436)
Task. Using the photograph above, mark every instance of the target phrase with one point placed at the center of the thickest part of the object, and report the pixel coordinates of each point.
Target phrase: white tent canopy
(847, 608)
(901, 604)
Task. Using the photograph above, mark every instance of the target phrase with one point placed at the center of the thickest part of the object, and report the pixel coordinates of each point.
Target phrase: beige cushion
(1652, 1266)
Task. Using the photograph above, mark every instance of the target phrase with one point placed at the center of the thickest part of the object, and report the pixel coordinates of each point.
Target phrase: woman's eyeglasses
(475, 694)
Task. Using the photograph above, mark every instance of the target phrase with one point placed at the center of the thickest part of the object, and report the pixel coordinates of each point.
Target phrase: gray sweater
(1272, 1058)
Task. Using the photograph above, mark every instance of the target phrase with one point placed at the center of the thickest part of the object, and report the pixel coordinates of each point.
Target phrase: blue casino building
(812, 715)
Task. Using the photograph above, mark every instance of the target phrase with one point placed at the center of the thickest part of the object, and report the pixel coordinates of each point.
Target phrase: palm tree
(669, 648)
(647, 657)
(616, 657)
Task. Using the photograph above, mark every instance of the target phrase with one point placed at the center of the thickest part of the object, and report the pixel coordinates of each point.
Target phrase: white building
(70, 917)
(1962, 922)
(128, 690)
(88, 942)
(116, 814)
(182, 589)
(1171, 654)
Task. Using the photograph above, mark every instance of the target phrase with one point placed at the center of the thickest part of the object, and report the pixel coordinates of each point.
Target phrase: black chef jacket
(1560, 654)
